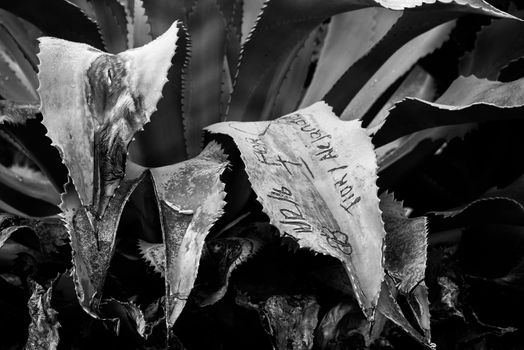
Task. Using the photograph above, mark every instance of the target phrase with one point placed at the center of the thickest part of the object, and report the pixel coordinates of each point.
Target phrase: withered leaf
(43, 329)
(93, 241)
(191, 197)
(406, 244)
(315, 178)
(93, 103)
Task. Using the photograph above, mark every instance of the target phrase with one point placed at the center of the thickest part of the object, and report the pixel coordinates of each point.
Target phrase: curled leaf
(406, 244)
(467, 100)
(93, 103)
(191, 197)
(315, 178)
(93, 241)
(43, 329)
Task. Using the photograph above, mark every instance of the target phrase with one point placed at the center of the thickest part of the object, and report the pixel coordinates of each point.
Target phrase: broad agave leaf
(467, 100)
(43, 329)
(191, 199)
(491, 54)
(315, 178)
(282, 26)
(92, 120)
(111, 19)
(350, 35)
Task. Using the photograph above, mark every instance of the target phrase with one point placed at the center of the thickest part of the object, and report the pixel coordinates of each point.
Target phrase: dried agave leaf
(207, 31)
(229, 253)
(93, 103)
(315, 178)
(283, 26)
(93, 240)
(389, 308)
(339, 325)
(290, 320)
(491, 54)
(191, 197)
(350, 35)
(43, 329)
(402, 60)
(406, 244)
(467, 100)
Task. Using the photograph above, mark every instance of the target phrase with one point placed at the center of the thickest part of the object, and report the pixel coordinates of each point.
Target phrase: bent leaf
(350, 35)
(491, 54)
(315, 178)
(406, 244)
(93, 103)
(43, 329)
(93, 241)
(191, 199)
(467, 100)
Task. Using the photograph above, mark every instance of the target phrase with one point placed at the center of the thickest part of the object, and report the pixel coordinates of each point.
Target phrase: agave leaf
(402, 60)
(111, 18)
(24, 33)
(292, 320)
(30, 141)
(16, 113)
(418, 83)
(29, 182)
(58, 18)
(232, 11)
(283, 26)
(161, 14)
(315, 178)
(338, 324)
(406, 244)
(191, 198)
(43, 329)
(141, 27)
(491, 54)
(251, 11)
(207, 29)
(93, 241)
(389, 308)
(229, 253)
(162, 141)
(19, 81)
(350, 35)
(93, 103)
(292, 88)
(467, 100)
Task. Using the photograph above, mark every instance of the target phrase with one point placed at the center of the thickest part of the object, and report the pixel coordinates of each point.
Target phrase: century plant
(191, 137)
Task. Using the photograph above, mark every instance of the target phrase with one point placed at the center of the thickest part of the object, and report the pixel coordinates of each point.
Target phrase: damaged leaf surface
(315, 178)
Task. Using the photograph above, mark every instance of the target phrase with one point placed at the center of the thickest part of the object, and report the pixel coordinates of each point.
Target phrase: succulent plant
(181, 146)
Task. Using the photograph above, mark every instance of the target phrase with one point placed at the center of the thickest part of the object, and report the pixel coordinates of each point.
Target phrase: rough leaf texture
(315, 178)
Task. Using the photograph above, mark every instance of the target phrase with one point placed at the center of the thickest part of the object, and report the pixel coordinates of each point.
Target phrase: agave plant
(192, 137)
